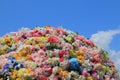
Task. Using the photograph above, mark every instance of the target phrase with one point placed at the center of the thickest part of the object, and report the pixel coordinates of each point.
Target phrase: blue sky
(87, 17)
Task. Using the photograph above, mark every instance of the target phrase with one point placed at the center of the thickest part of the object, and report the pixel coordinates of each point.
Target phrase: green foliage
(52, 46)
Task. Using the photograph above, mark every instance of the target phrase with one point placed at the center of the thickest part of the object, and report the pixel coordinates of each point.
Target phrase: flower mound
(50, 53)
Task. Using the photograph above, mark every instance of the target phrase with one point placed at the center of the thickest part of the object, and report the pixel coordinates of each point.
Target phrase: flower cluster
(50, 53)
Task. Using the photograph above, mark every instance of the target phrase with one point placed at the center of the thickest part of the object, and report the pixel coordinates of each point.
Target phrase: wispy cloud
(115, 55)
(103, 40)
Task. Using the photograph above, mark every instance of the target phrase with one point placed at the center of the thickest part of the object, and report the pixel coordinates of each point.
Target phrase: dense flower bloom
(50, 53)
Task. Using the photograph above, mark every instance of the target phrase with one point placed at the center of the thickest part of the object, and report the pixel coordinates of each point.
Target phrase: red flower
(60, 31)
(96, 60)
(61, 53)
(53, 39)
(42, 77)
(47, 31)
(61, 59)
(50, 70)
(81, 38)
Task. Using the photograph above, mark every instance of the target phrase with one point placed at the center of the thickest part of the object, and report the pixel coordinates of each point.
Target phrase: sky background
(90, 18)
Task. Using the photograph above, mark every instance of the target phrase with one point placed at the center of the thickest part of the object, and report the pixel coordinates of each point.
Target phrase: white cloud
(115, 56)
(103, 40)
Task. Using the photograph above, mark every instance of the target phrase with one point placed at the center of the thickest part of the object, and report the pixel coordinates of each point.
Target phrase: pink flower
(94, 74)
(107, 77)
(38, 71)
(85, 74)
(53, 39)
(89, 42)
(95, 52)
(55, 78)
(112, 63)
(41, 52)
(33, 56)
(3, 62)
(36, 33)
(83, 48)
(66, 46)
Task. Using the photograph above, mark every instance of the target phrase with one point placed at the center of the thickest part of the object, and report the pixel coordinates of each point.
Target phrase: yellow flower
(14, 71)
(89, 78)
(28, 42)
(4, 48)
(7, 39)
(14, 74)
(80, 52)
(44, 39)
(69, 39)
(21, 72)
(28, 70)
(40, 44)
(27, 48)
(81, 61)
(21, 78)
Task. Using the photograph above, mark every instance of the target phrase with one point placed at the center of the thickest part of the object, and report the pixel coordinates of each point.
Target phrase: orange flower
(33, 75)
(21, 53)
(18, 58)
(30, 69)
(80, 57)
(15, 55)
(15, 71)
(27, 72)
(64, 73)
(16, 39)
(59, 69)
(47, 27)
(1, 78)
(28, 57)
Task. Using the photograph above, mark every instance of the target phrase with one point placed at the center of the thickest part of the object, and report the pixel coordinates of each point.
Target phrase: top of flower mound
(50, 53)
